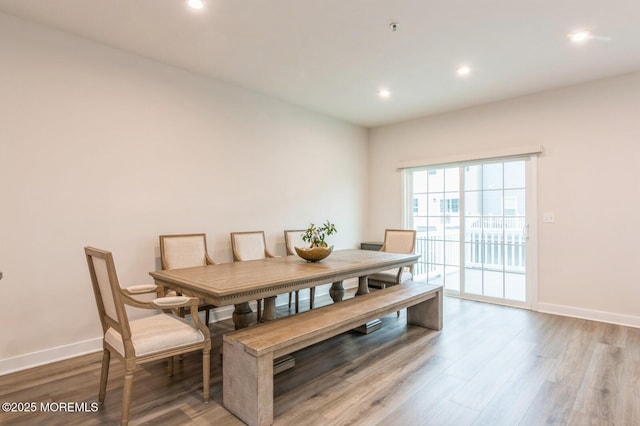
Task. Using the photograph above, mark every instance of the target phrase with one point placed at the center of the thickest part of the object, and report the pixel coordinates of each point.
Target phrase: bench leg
(247, 384)
(427, 314)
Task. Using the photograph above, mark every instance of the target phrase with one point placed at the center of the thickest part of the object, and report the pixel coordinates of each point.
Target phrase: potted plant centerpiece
(318, 248)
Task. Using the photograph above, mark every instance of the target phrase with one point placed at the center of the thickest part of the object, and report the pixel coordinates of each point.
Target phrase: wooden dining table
(239, 283)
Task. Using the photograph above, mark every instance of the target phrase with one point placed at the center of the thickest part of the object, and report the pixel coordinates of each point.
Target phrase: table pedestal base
(369, 327)
(363, 286)
(283, 363)
(336, 291)
(269, 312)
(242, 315)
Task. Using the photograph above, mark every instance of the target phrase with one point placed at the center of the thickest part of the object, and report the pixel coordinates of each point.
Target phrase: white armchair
(146, 339)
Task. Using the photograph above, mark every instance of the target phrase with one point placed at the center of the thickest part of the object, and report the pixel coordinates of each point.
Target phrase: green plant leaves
(315, 235)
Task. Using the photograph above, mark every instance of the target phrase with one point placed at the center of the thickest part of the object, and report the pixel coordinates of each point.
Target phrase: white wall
(100, 147)
(588, 175)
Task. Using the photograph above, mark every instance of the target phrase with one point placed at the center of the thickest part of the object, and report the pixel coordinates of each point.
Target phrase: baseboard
(590, 314)
(47, 356)
(60, 353)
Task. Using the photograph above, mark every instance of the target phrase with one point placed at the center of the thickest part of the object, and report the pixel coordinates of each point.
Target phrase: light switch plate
(548, 217)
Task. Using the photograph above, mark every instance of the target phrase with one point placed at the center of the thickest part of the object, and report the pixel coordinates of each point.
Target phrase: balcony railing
(491, 243)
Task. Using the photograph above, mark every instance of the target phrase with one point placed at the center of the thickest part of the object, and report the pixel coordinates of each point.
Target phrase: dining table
(239, 283)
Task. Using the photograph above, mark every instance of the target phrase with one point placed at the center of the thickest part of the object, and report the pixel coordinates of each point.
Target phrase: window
(449, 206)
(471, 228)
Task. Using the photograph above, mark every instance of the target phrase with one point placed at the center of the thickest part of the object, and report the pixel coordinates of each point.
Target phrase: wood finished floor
(491, 365)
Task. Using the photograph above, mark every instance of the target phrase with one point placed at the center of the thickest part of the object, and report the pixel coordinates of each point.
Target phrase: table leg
(363, 288)
(242, 315)
(363, 285)
(269, 312)
(285, 362)
(336, 291)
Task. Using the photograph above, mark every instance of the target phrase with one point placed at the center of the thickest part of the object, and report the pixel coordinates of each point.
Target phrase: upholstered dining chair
(185, 251)
(395, 241)
(146, 339)
(250, 245)
(293, 239)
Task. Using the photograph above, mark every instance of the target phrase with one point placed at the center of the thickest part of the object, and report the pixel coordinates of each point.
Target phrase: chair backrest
(399, 241)
(249, 246)
(184, 251)
(293, 239)
(106, 289)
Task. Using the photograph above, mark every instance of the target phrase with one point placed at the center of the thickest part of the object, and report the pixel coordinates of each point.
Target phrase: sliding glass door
(472, 229)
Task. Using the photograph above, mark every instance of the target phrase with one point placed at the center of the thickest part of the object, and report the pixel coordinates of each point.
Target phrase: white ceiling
(332, 56)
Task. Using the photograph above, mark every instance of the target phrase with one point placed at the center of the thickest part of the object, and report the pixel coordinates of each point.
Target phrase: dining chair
(395, 241)
(184, 251)
(147, 339)
(250, 245)
(293, 239)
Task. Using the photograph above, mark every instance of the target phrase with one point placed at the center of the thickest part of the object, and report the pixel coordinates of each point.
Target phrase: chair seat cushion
(390, 276)
(156, 333)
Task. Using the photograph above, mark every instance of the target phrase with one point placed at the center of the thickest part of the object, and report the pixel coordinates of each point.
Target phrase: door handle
(525, 231)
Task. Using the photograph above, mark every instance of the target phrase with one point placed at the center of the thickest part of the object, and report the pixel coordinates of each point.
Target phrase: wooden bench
(248, 353)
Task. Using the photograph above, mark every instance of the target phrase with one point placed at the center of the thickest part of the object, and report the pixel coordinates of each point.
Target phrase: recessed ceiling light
(384, 93)
(196, 4)
(580, 36)
(463, 71)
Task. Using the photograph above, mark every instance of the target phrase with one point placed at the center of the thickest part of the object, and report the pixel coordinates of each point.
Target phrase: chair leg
(104, 375)
(290, 300)
(312, 296)
(297, 300)
(126, 397)
(259, 310)
(206, 362)
(207, 317)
